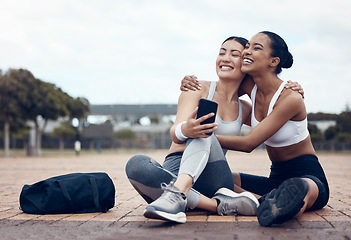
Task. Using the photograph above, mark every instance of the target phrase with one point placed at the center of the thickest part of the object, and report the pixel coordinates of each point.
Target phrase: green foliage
(22, 133)
(65, 130)
(79, 107)
(317, 137)
(16, 126)
(321, 116)
(313, 129)
(315, 133)
(22, 95)
(11, 96)
(154, 119)
(343, 137)
(125, 134)
(342, 131)
(344, 121)
(331, 132)
(23, 98)
(21, 88)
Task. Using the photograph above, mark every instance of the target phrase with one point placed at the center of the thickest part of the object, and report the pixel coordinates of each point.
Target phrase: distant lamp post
(77, 144)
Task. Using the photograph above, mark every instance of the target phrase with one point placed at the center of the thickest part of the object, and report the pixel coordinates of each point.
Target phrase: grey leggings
(203, 159)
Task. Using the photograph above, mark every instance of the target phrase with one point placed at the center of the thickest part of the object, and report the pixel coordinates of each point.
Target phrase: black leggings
(306, 166)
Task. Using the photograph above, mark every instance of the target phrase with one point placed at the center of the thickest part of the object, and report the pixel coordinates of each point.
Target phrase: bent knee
(312, 193)
(136, 164)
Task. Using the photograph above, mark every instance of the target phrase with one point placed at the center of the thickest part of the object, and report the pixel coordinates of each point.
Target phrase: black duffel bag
(70, 193)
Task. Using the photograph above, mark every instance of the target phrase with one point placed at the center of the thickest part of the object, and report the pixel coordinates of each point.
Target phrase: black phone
(205, 107)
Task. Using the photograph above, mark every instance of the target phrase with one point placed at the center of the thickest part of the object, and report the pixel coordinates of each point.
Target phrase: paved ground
(125, 220)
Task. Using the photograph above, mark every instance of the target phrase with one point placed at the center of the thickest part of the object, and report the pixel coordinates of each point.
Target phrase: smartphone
(205, 107)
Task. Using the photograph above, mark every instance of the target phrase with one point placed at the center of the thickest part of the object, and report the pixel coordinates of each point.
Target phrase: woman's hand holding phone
(196, 126)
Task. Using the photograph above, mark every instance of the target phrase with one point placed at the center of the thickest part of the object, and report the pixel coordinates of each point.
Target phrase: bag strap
(66, 195)
(95, 190)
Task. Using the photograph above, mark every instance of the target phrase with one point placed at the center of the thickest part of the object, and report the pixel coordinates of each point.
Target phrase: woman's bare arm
(287, 109)
(186, 112)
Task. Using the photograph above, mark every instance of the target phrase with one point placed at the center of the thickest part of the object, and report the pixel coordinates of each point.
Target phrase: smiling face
(228, 63)
(257, 55)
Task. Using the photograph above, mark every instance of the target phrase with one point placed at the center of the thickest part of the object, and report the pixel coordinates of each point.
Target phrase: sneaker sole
(152, 213)
(287, 202)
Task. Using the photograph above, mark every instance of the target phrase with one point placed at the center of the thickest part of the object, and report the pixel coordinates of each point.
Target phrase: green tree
(154, 119)
(11, 96)
(21, 133)
(28, 98)
(315, 133)
(321, 116)
(125, 134)
(344, 120)
(343, 137)
(331, 132)
(78, 108)
(64, 131)
(42, 101)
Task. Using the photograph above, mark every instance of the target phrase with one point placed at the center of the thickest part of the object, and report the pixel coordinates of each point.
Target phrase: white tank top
(290, 133)
(226, 128)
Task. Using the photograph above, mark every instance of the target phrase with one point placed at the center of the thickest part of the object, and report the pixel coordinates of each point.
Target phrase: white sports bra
(226, 128)
(290, 133)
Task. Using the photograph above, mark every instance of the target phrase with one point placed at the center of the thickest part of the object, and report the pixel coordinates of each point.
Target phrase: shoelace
(171, 193)
(225, 209)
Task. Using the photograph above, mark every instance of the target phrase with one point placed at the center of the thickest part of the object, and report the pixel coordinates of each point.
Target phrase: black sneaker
(284, 203)
(267, 196)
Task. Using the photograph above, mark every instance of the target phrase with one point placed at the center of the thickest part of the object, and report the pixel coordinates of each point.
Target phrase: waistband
(174, 154)
(302, 158)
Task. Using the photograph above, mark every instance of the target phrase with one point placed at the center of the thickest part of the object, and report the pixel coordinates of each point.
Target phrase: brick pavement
(125, 220)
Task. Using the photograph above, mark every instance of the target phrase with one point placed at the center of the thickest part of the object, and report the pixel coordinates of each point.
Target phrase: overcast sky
(135, 51)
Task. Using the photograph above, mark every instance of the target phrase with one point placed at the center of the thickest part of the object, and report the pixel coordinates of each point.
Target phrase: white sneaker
(230, 202)
(170, 206)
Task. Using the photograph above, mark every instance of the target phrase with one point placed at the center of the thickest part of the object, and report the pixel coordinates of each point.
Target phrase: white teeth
(226, 68)
(247, 61)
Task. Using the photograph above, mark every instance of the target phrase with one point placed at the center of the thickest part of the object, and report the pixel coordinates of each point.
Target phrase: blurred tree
(78, 108)
(39, 101)
(12, 95)
(344, 138)
(321, 116)
(312, 128)
(21, 133)
(125, 134)
(154, 119)
(17, 131)
(64, 131)
(22, 96)
(344, 120)
(331, 132)
(315, 133)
